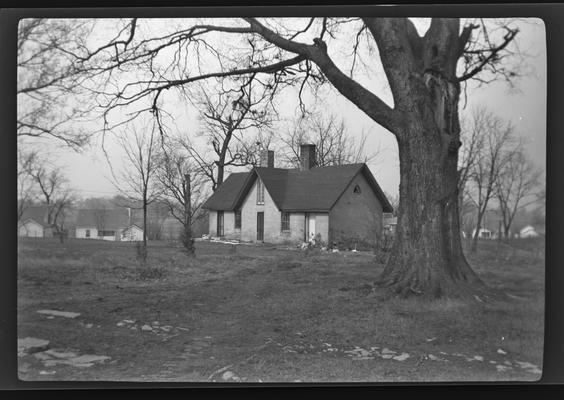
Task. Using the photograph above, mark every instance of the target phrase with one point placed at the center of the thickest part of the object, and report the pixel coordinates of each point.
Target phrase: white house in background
(106, 224)
(484, 233)
(528, 232)
(132, 234)
(33, 223)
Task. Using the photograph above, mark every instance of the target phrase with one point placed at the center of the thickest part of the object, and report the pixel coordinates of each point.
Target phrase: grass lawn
(268, 314)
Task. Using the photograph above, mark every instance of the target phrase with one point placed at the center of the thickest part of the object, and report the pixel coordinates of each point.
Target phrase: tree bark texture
(187, 239)
(427, 257)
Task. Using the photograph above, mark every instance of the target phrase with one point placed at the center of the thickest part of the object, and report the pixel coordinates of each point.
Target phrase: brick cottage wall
(356, 218)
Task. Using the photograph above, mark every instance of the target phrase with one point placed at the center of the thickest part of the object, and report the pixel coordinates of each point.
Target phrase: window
(285, 224)
(238, 219)
(260, 192)
(88, 233)
(220, 223)
(357, 190)
(106, 233)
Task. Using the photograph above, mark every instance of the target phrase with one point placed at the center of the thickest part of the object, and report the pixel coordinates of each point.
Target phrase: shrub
(149, 273)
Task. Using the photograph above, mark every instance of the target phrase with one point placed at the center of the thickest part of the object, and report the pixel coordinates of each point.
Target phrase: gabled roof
(35, 213)
(227, 194)
(105, 219)
(317, 189)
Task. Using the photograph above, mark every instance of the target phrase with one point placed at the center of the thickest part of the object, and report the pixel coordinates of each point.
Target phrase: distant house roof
(317, 189)
(103, 219)
(37, 214)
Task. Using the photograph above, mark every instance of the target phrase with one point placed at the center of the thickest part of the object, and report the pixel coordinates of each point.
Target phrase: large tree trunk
(427, 257)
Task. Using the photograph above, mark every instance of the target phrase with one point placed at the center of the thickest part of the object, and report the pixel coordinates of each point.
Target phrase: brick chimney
(307, 156)
(266, 159)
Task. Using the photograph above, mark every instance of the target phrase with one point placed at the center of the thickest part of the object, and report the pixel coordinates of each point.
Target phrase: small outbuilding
(528, 232)
(106, 224)
(33, 223)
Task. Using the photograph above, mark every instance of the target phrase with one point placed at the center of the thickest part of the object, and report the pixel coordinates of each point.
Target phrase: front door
(260, 226)
(219, 230)
(310, 227)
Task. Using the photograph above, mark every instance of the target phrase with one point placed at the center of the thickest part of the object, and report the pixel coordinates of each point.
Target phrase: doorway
(309, 227)
(260, 226)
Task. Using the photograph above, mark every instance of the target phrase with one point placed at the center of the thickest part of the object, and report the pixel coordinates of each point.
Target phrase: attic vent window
(357, 190)
(260, 192)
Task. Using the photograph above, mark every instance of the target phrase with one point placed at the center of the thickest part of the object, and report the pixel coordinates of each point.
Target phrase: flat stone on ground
(31, 345)
(66, 314)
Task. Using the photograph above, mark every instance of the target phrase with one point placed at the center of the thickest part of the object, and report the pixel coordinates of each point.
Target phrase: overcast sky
(525, 107)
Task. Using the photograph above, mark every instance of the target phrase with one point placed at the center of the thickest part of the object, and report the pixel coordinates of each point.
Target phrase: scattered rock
(529, 367)
(65, 314)
(435, 358)
(385, 350)
(47, 372)
(431, 339)
(146, 328)
(31, 345)
(128, 321)
(478, 358)
(401, 357)
(60, 354)
(227, 375)
(89, 358)
(120, 323)
(500, 351)
(502, 368)
(53, 357)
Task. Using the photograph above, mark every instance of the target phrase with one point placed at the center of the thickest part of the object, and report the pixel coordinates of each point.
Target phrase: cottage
(528, 232)
(342, 204)
(33, 222)
(483, 233)
(107, 224)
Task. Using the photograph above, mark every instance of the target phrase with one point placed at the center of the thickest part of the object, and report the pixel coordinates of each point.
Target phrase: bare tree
(137, 181)
(516, 187)
(426, 76)
(182, 187)
(234, 122)
(50, 79)
(334, 144)
(491, 158)
(26, 182)
(53, 192)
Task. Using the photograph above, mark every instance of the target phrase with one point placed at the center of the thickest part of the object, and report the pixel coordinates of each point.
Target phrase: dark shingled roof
(36, 213)
(317, 189)
(106, 219)
(227, 194)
